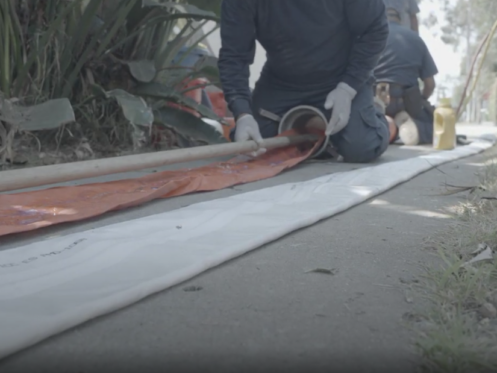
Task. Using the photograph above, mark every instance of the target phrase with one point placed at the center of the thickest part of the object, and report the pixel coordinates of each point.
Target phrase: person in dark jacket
(320, 53)
(408, 12)
(406, 59)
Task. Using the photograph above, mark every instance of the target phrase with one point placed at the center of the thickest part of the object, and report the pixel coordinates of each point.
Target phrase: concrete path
(266, 308)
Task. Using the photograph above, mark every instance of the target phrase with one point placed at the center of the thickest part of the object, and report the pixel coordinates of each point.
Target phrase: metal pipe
(303, 118)
(54, 174)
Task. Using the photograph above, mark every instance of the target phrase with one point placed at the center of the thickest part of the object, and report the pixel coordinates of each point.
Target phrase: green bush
(66, 61)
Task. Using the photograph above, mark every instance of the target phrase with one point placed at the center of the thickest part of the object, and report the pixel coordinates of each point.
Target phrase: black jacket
(310, 44)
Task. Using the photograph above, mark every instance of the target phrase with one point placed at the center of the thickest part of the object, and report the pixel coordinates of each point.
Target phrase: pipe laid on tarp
(30, 210)
(305, 118)
(46, 175)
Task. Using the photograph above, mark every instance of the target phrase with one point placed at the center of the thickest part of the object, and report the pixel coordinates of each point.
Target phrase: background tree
(463, 26)
(101, 74)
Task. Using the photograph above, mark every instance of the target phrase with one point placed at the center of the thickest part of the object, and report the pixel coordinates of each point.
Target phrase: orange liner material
(28, 211)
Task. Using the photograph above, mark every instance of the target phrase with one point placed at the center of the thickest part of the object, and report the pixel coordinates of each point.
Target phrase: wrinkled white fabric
(50, 286)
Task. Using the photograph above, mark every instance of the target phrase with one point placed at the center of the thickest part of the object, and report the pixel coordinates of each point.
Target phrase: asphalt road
(265, 311)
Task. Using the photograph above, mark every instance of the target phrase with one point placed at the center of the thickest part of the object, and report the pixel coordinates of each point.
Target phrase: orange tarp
(33, 210)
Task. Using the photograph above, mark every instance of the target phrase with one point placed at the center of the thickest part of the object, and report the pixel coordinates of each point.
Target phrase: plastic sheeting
(22, 212)
(53, 285)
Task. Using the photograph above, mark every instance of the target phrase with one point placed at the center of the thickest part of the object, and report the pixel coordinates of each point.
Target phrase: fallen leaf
(324, 271)
(487, 254)
(481, 248)
(413, 317)
(48, 115)
(190, 289)
(408, 280)
(488, 311)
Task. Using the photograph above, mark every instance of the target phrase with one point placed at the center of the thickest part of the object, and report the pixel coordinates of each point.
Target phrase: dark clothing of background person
(406, 59)
(408, 12)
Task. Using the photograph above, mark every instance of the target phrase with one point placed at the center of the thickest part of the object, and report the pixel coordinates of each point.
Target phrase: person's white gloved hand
(340, 101)
(247, 129)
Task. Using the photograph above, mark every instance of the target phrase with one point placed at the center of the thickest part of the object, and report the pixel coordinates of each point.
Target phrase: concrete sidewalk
(267, 307)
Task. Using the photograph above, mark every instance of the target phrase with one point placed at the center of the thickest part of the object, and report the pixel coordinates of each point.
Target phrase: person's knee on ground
(393, 129)
(414, 131)
(366, 137)
(408, 130)
(363, 140)
(367, 151)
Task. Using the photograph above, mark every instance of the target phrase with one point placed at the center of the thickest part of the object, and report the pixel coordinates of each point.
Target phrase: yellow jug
(444, 126)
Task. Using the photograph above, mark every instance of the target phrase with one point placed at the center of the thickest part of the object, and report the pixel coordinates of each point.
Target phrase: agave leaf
(55, 25)
(118, 22)
(205, 67)
(188, 125)
(134, 108)
(172, 48)
(97, 24)
(162, 92)
(97, 44)
(168, 48)
(78, 38)
(201, 109)
(98, 91)
(194, 15)
(165, 19)
(48, 115)
(137, 16)
(155, 90)
(150, 11)
(143, 70)
(193, 39)
(209, 5)
(184, 8)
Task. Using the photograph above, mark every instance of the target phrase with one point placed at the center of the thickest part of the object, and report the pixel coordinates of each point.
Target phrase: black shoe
(462, 140)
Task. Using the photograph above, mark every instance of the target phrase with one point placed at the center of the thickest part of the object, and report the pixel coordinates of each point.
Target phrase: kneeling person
(406, 59)
(320, 53)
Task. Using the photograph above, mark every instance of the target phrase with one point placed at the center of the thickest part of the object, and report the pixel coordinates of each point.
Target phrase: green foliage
(45, 116)
(463, 26)
(188, 125)
(94, 53)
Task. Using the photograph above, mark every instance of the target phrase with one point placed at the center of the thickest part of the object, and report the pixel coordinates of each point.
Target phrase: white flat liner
(50, 286)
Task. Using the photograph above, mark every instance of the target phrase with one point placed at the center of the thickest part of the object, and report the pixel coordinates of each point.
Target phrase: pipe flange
(303, 116)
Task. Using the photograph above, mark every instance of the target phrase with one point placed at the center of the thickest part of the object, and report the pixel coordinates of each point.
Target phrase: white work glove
(340, 100)
(247, 129)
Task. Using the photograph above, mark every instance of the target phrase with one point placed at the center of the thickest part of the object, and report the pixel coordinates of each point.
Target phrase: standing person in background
(408, 11)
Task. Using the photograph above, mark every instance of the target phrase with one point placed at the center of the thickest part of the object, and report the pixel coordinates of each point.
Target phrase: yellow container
(444, 131)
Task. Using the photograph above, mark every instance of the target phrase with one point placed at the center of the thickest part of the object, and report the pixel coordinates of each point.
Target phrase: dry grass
(459, 333)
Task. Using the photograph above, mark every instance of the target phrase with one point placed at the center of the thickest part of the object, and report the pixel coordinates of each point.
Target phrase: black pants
(363, 140)
(422, 117)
